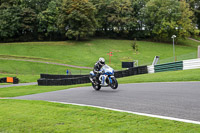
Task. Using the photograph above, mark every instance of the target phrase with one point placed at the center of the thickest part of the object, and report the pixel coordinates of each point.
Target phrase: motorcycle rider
(97, 67)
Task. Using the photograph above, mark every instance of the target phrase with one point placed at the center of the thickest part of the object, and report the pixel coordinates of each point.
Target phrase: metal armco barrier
(169, 66)
(56, 80)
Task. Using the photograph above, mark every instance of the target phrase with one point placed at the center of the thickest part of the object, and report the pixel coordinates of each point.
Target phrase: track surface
(21, 84)
(179, 99)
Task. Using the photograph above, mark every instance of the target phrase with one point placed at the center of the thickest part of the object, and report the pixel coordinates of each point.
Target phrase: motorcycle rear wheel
(96, 87)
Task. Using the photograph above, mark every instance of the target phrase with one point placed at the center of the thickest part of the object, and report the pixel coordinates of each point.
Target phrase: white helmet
(101, 61)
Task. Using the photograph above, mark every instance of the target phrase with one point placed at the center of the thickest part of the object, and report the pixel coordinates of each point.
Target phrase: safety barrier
(191, 64)
(64, 81)
(180, 65)
(151, 69)
(169, 66)
(50, 76)
(13, 80)
(49, 80)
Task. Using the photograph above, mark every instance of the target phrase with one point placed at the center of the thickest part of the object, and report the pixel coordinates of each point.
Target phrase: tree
(9, 22)
(135, 46)
(28, 19)
(48, 20)
(164, 18)
(37, 5)
(137, 5)
(77, 19)
(195, 6)
(101, 15)
(121, 16)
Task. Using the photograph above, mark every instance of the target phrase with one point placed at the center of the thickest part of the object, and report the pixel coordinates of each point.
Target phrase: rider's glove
(100, 72)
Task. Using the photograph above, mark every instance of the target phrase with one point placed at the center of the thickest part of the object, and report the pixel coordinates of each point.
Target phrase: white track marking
(137, 113)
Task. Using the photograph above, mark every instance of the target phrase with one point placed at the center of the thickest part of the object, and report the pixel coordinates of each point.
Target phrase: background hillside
(86, 53)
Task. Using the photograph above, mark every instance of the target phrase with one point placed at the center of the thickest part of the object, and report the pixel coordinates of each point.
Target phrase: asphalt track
(171, 99)
(21, 84)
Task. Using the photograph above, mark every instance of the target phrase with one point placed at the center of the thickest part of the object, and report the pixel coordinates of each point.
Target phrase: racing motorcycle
(106, 78)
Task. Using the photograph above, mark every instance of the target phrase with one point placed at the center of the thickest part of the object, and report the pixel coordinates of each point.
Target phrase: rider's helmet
(101, 61)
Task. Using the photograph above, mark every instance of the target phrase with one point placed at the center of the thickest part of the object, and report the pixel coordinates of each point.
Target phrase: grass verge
(22, 78)
(32, 89)
(19, 116)
(35, 68)
(171, 76)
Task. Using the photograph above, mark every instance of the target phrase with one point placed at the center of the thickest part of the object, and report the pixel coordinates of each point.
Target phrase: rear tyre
(114, 84)
(96, 87)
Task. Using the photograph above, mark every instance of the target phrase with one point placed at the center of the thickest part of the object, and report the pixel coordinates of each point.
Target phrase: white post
(198, 52)
(174, 36)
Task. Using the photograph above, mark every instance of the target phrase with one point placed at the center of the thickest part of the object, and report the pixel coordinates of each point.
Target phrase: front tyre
(114, 84)
(96, 87)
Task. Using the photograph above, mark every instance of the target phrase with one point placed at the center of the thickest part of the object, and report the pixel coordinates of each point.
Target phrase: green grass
(33, 89)
(22, 78)
(86, 53)
(171, 76)
(19, 116)
(36, 116)
(33, 68)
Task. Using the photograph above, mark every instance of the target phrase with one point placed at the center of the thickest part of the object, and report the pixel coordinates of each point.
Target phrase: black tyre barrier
(14, 80)
(64, 81)
(52, 76)
(3, 80)
(55, 80)
(131, 71)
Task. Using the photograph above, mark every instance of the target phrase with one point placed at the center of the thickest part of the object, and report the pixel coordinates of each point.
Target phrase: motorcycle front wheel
(114, 84)
(96, 87)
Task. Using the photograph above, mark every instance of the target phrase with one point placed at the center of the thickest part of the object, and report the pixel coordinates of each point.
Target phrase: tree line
(31, 20)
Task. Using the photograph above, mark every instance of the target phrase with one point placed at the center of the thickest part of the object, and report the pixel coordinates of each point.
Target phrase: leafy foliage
(164, 18)
(27, 20)
(78, 18)
(48, 20)
(9, 22)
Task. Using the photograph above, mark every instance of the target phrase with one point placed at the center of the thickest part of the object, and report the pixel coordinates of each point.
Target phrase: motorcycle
(106, 78)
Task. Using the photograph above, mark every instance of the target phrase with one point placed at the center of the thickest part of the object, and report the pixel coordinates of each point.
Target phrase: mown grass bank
(34, 68)
(19, 116)
(86, 53)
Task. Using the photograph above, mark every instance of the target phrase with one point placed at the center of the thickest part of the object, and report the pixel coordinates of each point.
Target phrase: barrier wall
(191, 64)
(13, 80)
(169, 66)
(151, 69)
(50, 76)
(49, 80)
(180, 65)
